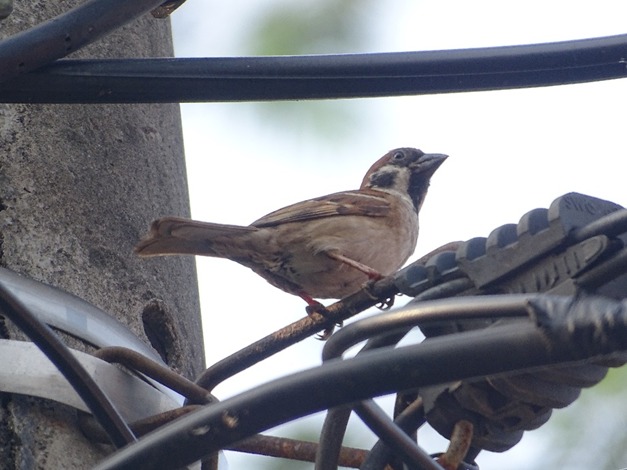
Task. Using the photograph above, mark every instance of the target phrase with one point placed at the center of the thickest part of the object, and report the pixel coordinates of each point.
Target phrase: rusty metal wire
(140, 363)
(295, 449)
(374, 294)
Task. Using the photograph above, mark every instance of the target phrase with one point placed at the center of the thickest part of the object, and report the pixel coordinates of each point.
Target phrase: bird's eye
(398, 156)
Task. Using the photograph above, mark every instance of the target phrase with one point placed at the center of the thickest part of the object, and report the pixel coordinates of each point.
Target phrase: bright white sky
(510, 152)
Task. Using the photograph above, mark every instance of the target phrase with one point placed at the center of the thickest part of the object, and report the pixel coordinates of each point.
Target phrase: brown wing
(369, 203)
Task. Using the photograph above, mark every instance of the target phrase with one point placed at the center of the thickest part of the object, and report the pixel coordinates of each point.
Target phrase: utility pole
(79, 185)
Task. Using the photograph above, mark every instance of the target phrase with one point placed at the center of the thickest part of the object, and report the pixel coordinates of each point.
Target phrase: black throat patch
(418, 186)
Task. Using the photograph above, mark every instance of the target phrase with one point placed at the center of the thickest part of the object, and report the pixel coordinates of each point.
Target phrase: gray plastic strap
(72, 314)
(25, 370)
(77, 317)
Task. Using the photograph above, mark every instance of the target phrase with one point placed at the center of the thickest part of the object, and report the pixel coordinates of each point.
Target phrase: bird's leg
(313, 306)
(373, 275)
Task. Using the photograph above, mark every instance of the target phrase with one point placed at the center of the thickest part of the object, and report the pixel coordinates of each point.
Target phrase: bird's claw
(327, 332)
(315, 307)
(385, 304)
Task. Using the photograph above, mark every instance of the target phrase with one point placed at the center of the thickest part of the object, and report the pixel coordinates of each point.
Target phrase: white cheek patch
(402, 179)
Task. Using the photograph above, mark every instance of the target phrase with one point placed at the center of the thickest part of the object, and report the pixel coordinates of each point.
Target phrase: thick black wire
(84, 385)
(396, 439)
(410, 419)
(331, 437)
(605, 272)
(559, 330)
(612, 225)
(377, 373)
(60, 36)
(425, 312)
(316, 77)
(446, 289)
(336, 420)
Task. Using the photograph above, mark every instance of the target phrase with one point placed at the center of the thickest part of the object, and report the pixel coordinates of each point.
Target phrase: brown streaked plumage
(326, 247)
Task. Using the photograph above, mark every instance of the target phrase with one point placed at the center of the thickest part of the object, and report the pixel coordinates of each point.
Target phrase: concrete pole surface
(79, 185)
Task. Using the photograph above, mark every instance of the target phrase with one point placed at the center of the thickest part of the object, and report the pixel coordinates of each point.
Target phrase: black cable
(607, 271)
(444, 290)
(410, 419)
(336, 420)
(425, 312)
(398, 441)
(316, 76)
(95, 399)
(612, 225)
(60, 36)
(562, 330)
(331, 437)
(377, 373)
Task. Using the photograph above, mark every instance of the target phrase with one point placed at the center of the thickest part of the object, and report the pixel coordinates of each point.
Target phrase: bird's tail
(178, 236)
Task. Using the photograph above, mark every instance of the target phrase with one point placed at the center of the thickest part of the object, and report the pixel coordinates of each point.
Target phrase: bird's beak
(430, 162)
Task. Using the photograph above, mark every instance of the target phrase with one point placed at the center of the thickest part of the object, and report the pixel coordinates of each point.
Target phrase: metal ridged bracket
(504, 261)
(540, 231)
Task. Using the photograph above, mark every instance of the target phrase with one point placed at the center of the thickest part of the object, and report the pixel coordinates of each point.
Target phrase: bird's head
(404, 170)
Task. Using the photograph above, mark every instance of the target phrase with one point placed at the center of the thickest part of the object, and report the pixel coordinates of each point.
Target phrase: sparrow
(327, 247)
